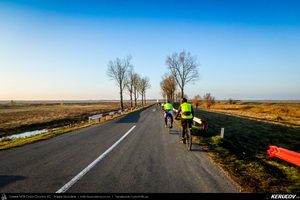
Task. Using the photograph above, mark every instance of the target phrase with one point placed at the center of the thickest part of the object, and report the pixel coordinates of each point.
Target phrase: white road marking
(90, 166)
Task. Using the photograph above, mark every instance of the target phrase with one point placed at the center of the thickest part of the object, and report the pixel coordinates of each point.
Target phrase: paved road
(147, 160)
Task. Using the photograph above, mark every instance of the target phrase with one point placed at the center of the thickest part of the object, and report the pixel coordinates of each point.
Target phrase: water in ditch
(25, 134)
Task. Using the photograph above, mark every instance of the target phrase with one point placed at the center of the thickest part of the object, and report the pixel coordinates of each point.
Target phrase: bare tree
(164, 91)
(196, 101)
(139, 88)
(163, 94)
(144, 85)
(130, 83)
(208, 100)
(168, 86)
(232, 101)
(184, 69)
(117, 71)
(136, 87)
(12, 102)
(178, 96)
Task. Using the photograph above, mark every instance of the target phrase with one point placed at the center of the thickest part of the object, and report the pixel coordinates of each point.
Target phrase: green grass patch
(256, 174)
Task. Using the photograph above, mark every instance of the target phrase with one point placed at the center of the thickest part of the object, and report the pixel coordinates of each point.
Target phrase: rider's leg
(190, 122)
(183, 124)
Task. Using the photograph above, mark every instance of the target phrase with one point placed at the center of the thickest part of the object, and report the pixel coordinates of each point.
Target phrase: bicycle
(188, 139)
(169, 120)
(169, 124)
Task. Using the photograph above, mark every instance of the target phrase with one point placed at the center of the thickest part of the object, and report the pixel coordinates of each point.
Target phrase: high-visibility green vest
(168, 107)
(186, 110)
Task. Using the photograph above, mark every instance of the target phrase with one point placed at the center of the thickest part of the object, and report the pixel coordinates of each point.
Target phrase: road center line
(90, 166)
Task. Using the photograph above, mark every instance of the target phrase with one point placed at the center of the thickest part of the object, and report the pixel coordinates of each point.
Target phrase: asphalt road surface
(130, 154)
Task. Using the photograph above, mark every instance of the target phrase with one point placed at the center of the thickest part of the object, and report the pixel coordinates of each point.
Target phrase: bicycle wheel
(188, 139)
(169, 122)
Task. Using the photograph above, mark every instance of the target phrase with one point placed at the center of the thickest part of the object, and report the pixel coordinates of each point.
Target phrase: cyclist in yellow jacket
(187, 116)
(168, 108)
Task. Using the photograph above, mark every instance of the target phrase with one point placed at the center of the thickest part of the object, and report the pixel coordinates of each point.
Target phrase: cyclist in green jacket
(187, 116)
(168, 108)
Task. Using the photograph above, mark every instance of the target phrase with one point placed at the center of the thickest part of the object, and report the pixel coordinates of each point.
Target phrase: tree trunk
(121, 99)
(142, 99)
(135, 98)
(182, 95)
(130, 99)
(145, 98)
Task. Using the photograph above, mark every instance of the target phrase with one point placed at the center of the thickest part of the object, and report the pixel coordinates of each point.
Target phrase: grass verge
(256, 174)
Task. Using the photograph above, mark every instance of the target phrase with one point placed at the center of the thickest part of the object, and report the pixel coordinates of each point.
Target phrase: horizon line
(160, 99)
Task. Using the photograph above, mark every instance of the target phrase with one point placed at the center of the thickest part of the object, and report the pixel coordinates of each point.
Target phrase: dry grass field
(18, 117)
(250, 127)
(285, 113)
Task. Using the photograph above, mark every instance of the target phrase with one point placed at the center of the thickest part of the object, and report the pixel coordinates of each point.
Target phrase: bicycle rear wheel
(169, 124)
(188, 139)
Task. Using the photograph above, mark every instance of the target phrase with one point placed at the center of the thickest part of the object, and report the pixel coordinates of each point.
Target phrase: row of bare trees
(183, 69)
(208, 100)
(122, 72)
(168, 87)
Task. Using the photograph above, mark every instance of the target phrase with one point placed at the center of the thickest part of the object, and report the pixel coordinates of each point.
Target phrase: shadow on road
(5, 180)
(174, 132)
(197, 150)
(132, 117)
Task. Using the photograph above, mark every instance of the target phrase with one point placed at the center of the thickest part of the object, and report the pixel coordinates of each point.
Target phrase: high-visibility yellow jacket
(186, 111)
(168, 107)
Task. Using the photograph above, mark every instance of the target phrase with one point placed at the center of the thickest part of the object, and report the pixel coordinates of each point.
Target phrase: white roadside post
(111, 114)
(222, 133)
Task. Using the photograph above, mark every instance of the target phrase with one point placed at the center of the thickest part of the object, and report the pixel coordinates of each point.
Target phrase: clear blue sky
(246, 49)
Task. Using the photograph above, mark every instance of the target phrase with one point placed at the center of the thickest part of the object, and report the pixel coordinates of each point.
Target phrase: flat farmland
(284, 113)
(17, 117)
